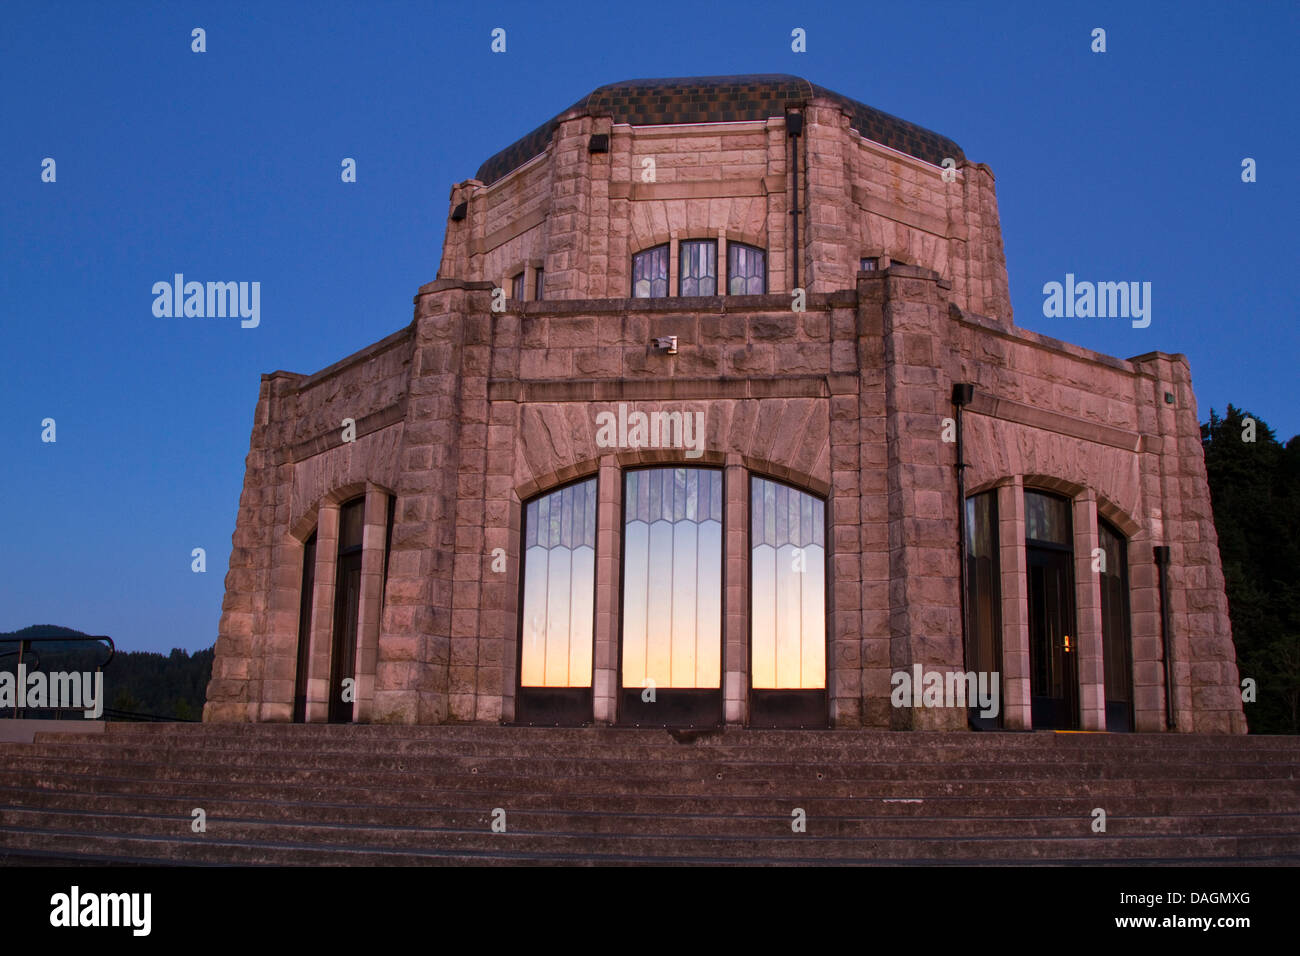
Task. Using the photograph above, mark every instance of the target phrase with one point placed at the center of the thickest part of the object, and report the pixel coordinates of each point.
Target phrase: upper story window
(517, 288)
(650, 273)
(699, 267)
(538, 286)
(868, 264)
(746, 270)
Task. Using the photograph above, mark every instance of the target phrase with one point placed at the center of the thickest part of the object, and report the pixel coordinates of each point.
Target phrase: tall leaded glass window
(746, 270)
(650, 273)
(787, 587)
(559, 587)
(1115, 633)
(698, 274)
(672, 578)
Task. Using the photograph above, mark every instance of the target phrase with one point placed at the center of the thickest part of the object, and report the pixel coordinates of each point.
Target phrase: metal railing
(23, 648)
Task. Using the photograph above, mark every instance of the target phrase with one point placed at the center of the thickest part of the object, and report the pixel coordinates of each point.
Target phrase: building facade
(716, 414)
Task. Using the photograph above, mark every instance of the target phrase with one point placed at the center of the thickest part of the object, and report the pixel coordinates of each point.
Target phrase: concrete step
(356, 799)
(321, 794)
(595, 846)
(925, 818)
(869, 752)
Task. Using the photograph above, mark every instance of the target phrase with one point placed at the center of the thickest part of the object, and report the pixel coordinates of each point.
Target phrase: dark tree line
(1255, 490)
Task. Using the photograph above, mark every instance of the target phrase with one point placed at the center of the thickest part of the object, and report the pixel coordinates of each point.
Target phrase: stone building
(674, 439)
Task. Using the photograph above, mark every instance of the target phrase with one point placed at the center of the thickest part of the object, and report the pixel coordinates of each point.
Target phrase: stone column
(322, 615)
(609, 531)
(672, 264)
(281, 644)
(722, 262)
(1087, 615)
(1014, 583)
(735, 615)
(777, 206)
(374, 536)
(924, 593)
(869, 480)
(846, 635)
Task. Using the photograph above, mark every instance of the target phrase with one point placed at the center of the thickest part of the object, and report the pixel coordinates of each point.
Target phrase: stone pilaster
(736, 580)
(1087, 615)
(1017, 713)
(924, 603)
(374, 535)
(322, 615)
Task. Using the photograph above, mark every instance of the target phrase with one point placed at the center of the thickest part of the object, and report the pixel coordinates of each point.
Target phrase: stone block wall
(581, 216)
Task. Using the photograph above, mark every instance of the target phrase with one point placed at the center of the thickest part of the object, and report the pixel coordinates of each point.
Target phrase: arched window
(746, 270)
(650, 273)
(672, 595)
(556, 620)
(698, 274)
(787, 578)
(1115, 631)
(787, 587)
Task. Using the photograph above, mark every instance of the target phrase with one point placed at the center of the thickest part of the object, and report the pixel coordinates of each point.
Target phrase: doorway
(1053, 649)
(1053, 637)
(347, 613)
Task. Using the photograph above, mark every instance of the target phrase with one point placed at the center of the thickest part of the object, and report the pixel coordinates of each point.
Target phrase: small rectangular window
(868, 264)
(537, 287)
(517, 288)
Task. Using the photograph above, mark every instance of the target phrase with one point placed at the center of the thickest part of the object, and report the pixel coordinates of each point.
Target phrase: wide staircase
(317, 794)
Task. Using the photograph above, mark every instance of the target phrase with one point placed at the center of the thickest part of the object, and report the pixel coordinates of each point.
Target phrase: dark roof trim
(721, 99)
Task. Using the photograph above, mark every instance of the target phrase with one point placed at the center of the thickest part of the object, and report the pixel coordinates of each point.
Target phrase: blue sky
(225, 166)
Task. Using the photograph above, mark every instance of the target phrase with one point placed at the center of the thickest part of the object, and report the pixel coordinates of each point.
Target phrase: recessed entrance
(1053, 638)
(347, 612)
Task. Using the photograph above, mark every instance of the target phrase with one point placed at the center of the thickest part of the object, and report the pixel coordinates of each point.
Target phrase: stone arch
(794, 477)
(303, 522)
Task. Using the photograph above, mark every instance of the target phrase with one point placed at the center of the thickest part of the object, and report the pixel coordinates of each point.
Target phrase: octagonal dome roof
(721, 99)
